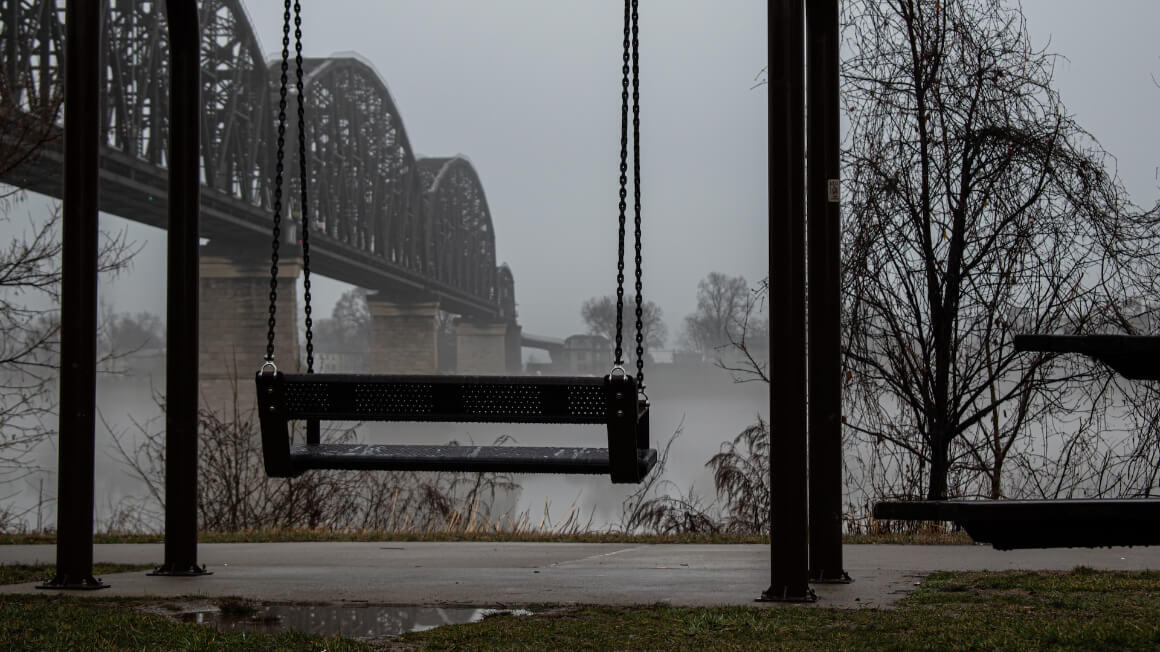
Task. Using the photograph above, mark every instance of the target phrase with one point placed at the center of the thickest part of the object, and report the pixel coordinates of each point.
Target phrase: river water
(703, 404)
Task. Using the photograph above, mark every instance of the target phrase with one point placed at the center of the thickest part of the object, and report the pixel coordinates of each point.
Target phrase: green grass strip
(54, 622)
(22, 573)
(1076, 610)
(1081, 610)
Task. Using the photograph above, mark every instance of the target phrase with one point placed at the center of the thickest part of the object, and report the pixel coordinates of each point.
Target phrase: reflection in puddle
(351, 621)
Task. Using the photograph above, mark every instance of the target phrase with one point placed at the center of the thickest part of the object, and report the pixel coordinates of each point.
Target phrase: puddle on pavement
(351, 621)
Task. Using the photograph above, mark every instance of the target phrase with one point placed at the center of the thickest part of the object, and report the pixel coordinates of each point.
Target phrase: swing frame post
(181, 366)
(789, 510)
(79, 296)
(78, 321)
(823, 223)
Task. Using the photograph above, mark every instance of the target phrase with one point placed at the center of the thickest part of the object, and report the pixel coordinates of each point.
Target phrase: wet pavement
(503, 575)
(362, 621)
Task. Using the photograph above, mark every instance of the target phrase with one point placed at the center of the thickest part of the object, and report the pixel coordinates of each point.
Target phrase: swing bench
(1090, 523)
(611, 400)
(616, 401)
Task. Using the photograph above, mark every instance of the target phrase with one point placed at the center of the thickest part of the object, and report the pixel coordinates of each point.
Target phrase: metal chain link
(303, 185)
(631, 56)
(623, 205)
(630, 65)
(636, 194)
(278, 174)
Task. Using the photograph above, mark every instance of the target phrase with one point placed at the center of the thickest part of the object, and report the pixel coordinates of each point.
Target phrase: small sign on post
(834, 190)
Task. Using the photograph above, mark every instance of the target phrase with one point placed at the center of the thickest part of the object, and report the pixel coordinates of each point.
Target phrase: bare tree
(29, 280)
(125, 333)
(342, 342)
(30, 112)
(749, 345)
(235, 494)
(723, 303)
(348, 330)
(599, 314)
(978, 208)
(29, 324)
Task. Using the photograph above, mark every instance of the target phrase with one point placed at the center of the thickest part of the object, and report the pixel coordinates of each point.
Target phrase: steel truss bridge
(379, 218)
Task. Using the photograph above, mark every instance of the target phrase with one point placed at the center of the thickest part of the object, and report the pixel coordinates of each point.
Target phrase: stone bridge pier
(404, 340)
(487, 347)
(233, 314)
(403, 336)
(232, 322)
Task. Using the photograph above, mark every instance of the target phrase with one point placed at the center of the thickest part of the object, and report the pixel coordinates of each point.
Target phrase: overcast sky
(529, 91)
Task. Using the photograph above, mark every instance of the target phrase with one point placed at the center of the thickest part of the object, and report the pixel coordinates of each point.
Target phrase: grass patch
(24, 573)
(52, 622)
(1079, 610)
(1076, 610)
(305, 535)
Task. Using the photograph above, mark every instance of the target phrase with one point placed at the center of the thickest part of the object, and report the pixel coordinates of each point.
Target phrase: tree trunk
(939, 465)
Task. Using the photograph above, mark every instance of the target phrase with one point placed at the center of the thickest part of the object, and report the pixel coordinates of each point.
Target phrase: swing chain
(623, 206)
(279, 182)
(636, 195)
(303, 184)
(630, 65)
(278, 178)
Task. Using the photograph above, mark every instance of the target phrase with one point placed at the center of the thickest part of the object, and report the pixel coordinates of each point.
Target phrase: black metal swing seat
(612, 401)
(1010, 524)
(1015, 524)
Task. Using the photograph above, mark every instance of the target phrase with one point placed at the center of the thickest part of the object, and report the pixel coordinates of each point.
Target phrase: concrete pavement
(514, 574)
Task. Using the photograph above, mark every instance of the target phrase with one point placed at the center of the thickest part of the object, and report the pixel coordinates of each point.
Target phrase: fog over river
(703, 403)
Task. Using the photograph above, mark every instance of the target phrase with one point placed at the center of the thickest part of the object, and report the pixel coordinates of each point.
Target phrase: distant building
(586, 354)
(688, 359)
(345, 362)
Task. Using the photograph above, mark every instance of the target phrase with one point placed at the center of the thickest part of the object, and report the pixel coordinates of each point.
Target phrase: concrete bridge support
(233, 325)
(403, 337)
(488, 348)
(234, 308)
(513, 348)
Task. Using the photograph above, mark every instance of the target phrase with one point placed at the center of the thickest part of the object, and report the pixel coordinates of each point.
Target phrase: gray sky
(529, 91)
(1106, 77)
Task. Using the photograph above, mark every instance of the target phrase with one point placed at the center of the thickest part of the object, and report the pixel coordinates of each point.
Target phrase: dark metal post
(823, 269)
(182, 292)
(78, 318)
(789, 547)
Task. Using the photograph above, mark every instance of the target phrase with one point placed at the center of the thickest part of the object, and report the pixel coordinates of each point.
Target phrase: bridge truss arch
(459, 219)
(236, 116)
(383, 220)
(31, 44)
(134, 111)
(364, 186)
